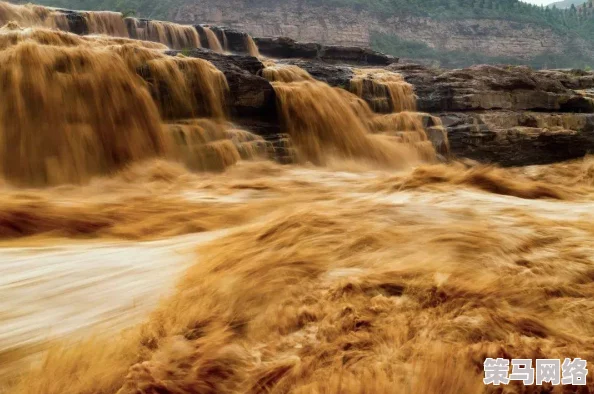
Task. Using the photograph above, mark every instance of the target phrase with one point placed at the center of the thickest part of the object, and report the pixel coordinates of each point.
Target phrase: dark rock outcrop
(283, 149)
(333, 75)
(516, 139)
(77, 23)
(251, 98)
(354, 55)
(491, 123)
(232, 40)
(494, 88)
(286, 48)
(236, 39)
(133, 24)
(203, 37)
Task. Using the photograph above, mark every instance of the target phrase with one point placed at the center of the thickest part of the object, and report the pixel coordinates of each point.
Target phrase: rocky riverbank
(507, 115)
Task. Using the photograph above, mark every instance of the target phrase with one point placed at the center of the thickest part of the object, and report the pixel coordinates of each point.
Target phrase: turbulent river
(150, 245)
(295, 277)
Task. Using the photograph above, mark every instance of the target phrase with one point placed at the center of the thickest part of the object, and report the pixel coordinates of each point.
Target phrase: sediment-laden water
(151, 245)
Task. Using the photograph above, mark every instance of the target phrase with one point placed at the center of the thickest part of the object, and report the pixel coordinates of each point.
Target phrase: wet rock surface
(493, 88)
(508, 115)
(283, 47)
(250, 95)
(516, 139)
(203, 37)
(333, 75)
(355, 55)
(77, 22)
(286, 48)
(236, 39)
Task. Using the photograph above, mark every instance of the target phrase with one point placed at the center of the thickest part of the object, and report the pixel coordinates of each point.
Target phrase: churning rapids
(150, 245)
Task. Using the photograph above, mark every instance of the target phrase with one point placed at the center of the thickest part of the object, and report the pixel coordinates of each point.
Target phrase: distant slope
(451, 33)
(566, 3)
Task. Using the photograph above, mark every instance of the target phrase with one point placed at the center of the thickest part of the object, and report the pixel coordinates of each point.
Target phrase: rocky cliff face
(347, 26)
(508, 115)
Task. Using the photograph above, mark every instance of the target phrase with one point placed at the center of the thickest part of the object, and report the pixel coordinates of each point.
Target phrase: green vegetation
(572, 58)
(566, 3)
(578, 20)
(514, 10)
(572, 23)
(574, 20)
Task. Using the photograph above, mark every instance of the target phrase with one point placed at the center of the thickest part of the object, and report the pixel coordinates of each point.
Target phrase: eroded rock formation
(519, 138)
(490, 88)
(286, 48)
(330, 24)
(507, 115)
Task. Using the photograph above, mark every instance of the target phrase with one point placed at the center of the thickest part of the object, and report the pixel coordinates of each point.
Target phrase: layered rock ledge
(507, 115)
(493, 88)
(287, 48)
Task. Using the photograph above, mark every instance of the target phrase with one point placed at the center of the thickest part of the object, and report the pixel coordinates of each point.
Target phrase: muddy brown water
(149, 245)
